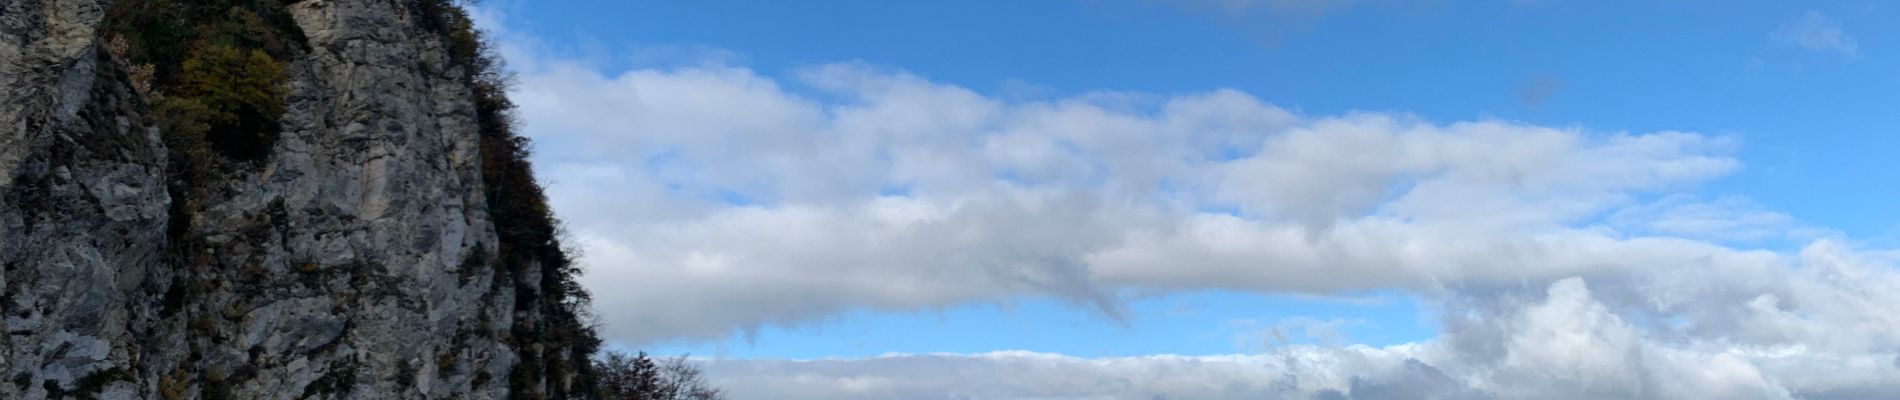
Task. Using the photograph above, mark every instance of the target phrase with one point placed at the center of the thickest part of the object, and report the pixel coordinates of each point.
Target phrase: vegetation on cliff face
(530, 251)
(214, 69)
(215, 75)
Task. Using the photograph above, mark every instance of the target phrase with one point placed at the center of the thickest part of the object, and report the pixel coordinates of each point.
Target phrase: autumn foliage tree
(228, 99)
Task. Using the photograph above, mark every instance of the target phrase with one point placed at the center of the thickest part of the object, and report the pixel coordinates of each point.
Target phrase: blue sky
(774, 143)
(1197, 324)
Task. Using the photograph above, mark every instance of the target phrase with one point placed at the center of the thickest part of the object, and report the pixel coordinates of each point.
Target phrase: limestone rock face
(352, 263)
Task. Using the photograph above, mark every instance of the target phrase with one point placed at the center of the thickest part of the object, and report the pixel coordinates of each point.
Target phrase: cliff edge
(263, 199)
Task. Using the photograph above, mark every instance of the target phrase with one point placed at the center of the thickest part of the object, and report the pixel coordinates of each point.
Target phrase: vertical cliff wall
(384, 240)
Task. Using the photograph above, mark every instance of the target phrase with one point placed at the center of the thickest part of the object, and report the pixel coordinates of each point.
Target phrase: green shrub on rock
(229, 98)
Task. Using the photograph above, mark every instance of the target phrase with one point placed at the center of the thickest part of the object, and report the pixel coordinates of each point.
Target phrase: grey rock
(338, 256)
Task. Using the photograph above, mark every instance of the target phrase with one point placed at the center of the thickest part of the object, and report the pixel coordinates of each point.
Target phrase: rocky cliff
(356, 221)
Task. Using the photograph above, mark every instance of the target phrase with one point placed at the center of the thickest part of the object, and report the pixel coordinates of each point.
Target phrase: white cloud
(1816, 32)
(1564, 344)
(711, 199)
(1724, 219)
(1049, 376)
(1067, 197)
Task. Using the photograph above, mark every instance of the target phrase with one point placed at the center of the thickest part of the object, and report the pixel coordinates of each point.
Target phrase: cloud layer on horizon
(710, 199)
(1566, 345)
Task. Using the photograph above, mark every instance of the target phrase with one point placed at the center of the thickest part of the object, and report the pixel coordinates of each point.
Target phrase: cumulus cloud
(1814, 31)
(710, 199)
(713, 198)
